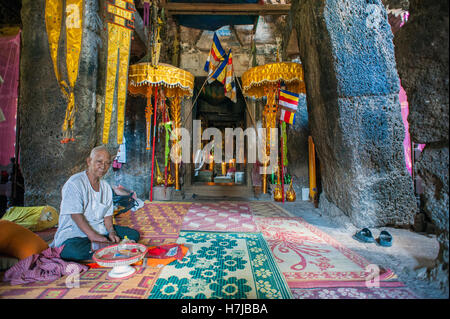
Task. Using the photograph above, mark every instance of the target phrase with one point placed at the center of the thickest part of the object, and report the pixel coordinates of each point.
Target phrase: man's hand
(97, 237)
(113, 237)
(82, 223)
(110, 227)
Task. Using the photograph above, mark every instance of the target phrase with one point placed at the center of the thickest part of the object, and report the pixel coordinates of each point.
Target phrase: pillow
(19, 242)
(34, 218)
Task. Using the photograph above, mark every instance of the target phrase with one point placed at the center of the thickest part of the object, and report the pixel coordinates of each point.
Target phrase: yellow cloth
(74, 30)
(34, 218)
(119, 42)
(53, 16)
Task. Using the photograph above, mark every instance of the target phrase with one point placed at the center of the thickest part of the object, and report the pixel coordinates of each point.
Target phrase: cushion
(19, 242)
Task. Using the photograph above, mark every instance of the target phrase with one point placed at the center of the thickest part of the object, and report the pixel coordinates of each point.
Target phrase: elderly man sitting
(87, 209)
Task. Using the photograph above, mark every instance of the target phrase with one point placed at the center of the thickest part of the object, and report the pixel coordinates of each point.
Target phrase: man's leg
(123, 231)
(77, 248)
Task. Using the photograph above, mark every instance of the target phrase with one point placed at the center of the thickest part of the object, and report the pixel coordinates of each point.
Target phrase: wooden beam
(226, 9)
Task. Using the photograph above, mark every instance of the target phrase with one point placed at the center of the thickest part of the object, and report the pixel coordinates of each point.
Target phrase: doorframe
(186, 109)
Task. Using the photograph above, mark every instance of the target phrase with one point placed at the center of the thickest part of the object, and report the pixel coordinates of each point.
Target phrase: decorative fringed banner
(265, 80)
(120, 17)
(74, 30)
(176, 84)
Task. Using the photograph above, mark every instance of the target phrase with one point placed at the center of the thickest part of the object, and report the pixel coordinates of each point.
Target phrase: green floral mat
(222, 266)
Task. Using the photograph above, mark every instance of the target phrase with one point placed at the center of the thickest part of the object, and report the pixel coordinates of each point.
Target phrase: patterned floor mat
(222, 265)
(157, 223)
(93, 284)
(309, 258)
(219, 216)
(245, 250)
(354, 293)
(268, 209)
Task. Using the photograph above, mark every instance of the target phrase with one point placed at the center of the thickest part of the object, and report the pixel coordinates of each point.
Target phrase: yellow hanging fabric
(53, 16)
(124, 58)
(74, 32)
(312, 169)
(111, 73)
(119, 44)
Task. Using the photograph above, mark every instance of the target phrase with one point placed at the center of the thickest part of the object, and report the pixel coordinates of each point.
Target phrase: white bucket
(305, 193)
(239, 177)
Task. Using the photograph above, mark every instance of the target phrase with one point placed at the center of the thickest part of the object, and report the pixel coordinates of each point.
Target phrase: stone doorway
(220, 178)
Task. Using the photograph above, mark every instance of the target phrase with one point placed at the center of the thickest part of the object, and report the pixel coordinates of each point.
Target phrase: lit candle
(224, 168)
(211, 164)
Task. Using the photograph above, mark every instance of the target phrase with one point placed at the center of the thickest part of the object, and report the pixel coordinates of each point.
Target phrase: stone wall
(354, 112)
(46, 163)
(422, 55)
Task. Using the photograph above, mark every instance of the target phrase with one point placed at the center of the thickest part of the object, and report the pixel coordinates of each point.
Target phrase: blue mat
(222, 266)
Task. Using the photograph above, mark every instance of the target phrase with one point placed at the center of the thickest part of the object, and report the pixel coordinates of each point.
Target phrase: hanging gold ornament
(278, 193)
(170, 178)
(159, 175)
(290, 193)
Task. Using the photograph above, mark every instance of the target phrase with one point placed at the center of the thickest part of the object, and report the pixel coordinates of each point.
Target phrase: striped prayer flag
(221, 72)
(289, 100)
(287, 116)
(216, 54)
(230, 85)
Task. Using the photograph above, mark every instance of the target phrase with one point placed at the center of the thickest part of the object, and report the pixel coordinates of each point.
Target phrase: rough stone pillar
(46, 163)
(354, 112)
(421, 48)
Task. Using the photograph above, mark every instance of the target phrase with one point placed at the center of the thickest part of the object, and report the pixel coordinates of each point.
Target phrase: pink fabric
(116, 164)
(46, 266)
(405, 111)
(407, 141)
(9, 71)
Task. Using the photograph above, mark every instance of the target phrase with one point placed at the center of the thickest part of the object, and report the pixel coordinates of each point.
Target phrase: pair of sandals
(365, 236)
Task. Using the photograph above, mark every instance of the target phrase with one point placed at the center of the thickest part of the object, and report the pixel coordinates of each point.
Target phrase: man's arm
(82, 223)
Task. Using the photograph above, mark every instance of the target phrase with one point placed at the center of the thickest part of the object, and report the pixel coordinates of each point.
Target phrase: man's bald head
(98, 149)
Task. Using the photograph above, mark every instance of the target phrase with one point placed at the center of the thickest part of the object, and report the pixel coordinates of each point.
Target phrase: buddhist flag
(216, 54)
(287, 116)
(220, 73)
(230, 85)
(289, 100)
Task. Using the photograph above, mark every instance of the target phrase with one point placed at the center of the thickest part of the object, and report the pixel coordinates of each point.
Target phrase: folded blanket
(46, 266)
